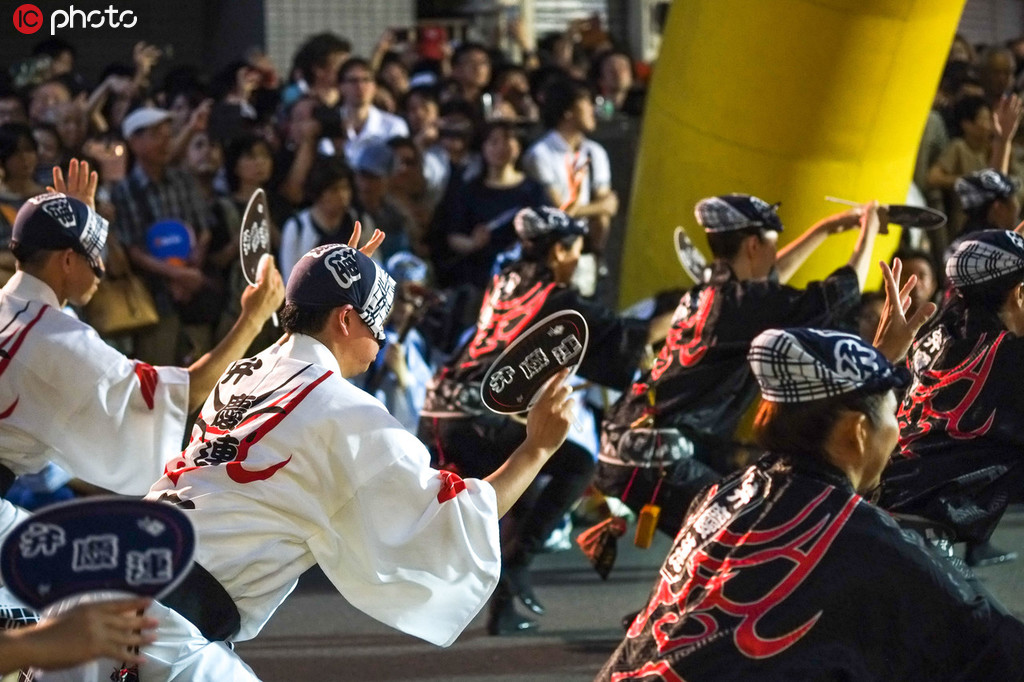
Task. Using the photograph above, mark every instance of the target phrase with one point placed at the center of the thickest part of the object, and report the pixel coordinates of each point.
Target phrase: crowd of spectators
(424, 144)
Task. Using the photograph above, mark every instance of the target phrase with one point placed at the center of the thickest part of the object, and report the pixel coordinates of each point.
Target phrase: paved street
(317, 636)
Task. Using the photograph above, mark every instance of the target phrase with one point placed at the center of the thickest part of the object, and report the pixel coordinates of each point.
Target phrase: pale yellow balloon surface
(789, 100)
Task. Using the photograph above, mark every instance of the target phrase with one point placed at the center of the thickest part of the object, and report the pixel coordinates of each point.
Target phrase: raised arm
(258, 304)
(794, 254)
(1005, 120)
(870, 225)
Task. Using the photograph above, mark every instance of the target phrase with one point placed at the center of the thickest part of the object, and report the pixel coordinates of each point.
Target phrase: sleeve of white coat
(134, 422)
(415, 548)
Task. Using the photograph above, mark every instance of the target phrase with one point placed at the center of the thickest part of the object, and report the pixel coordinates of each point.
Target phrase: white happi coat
(68, 397)
(290, 465)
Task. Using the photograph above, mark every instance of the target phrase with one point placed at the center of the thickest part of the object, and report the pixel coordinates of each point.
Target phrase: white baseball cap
(141, 118)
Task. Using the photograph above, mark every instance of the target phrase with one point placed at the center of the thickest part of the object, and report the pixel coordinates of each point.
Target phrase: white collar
(30, 288)
(307, 349)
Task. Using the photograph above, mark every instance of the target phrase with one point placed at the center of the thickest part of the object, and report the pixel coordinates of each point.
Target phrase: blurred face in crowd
(336, 199)
(325, 75)
(582, 115)
(395, 76)
(926, 284)
(180, 109)
(45, 98)
(371, 188)
(70, 123)
(48, 146)
(616, 74)
(203, 156)
(500, 149)
(1004, 213)
(473, 69)
(455, 133)
(12, 110)
(63, 63)
(960, 51)
(255, 166)
(247, 79)
(978, 131)
(867, 318)
(997, 73)
(20, 165)
(357, 87)
(152, 145)
(420, 113)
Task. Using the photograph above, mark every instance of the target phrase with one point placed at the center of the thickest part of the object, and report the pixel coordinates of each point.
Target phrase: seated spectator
(329, 220)
(511, 92)
(481, 225)
(407, 186)
(573, 168)
(612, 78)
(984, 142)
(471, 73)
(376, 209)
(784, 571)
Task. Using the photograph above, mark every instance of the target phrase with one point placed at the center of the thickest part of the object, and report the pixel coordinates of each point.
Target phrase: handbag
(122, 302)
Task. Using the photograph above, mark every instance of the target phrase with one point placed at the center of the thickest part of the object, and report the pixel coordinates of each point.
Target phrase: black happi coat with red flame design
(522, 294)
(701, 380)
(783, 572)
(961, 450)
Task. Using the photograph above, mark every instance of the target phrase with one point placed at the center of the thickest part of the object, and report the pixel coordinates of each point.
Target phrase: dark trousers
(477, 446)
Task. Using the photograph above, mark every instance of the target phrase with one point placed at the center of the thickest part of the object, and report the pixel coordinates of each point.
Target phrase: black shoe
(519, 584)
(987, 554)
(503, 618)
(530, 600)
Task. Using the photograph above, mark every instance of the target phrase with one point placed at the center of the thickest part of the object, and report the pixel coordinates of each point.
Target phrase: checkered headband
(802, 365)
(986, 256)
(335, 275)
(981, 188)
(731, 212)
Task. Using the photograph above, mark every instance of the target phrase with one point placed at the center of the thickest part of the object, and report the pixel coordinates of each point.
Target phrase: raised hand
(895, 332)
(371, 246)
(81, 183)
(1006, 116)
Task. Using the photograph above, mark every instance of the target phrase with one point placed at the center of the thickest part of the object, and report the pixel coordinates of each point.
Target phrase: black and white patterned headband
(803, 365)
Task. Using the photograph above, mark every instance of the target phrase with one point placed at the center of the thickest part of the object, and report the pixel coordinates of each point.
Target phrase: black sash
(203, 600)
(6, 480)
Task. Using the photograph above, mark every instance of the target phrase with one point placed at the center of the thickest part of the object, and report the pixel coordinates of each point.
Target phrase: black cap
(336, 275)
(731, 212)
(55, 221)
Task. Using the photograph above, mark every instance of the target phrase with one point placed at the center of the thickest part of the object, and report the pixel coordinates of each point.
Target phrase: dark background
(207, 34)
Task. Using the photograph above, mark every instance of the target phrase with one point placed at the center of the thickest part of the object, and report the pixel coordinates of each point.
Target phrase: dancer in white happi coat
(290, 465)
(65, 395)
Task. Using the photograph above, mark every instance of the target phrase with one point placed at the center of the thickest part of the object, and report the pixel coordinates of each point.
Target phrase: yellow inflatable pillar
(789, 100)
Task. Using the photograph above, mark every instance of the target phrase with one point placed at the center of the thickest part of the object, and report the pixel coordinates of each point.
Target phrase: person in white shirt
(291, 465)
(574, 169)
(361, 122)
